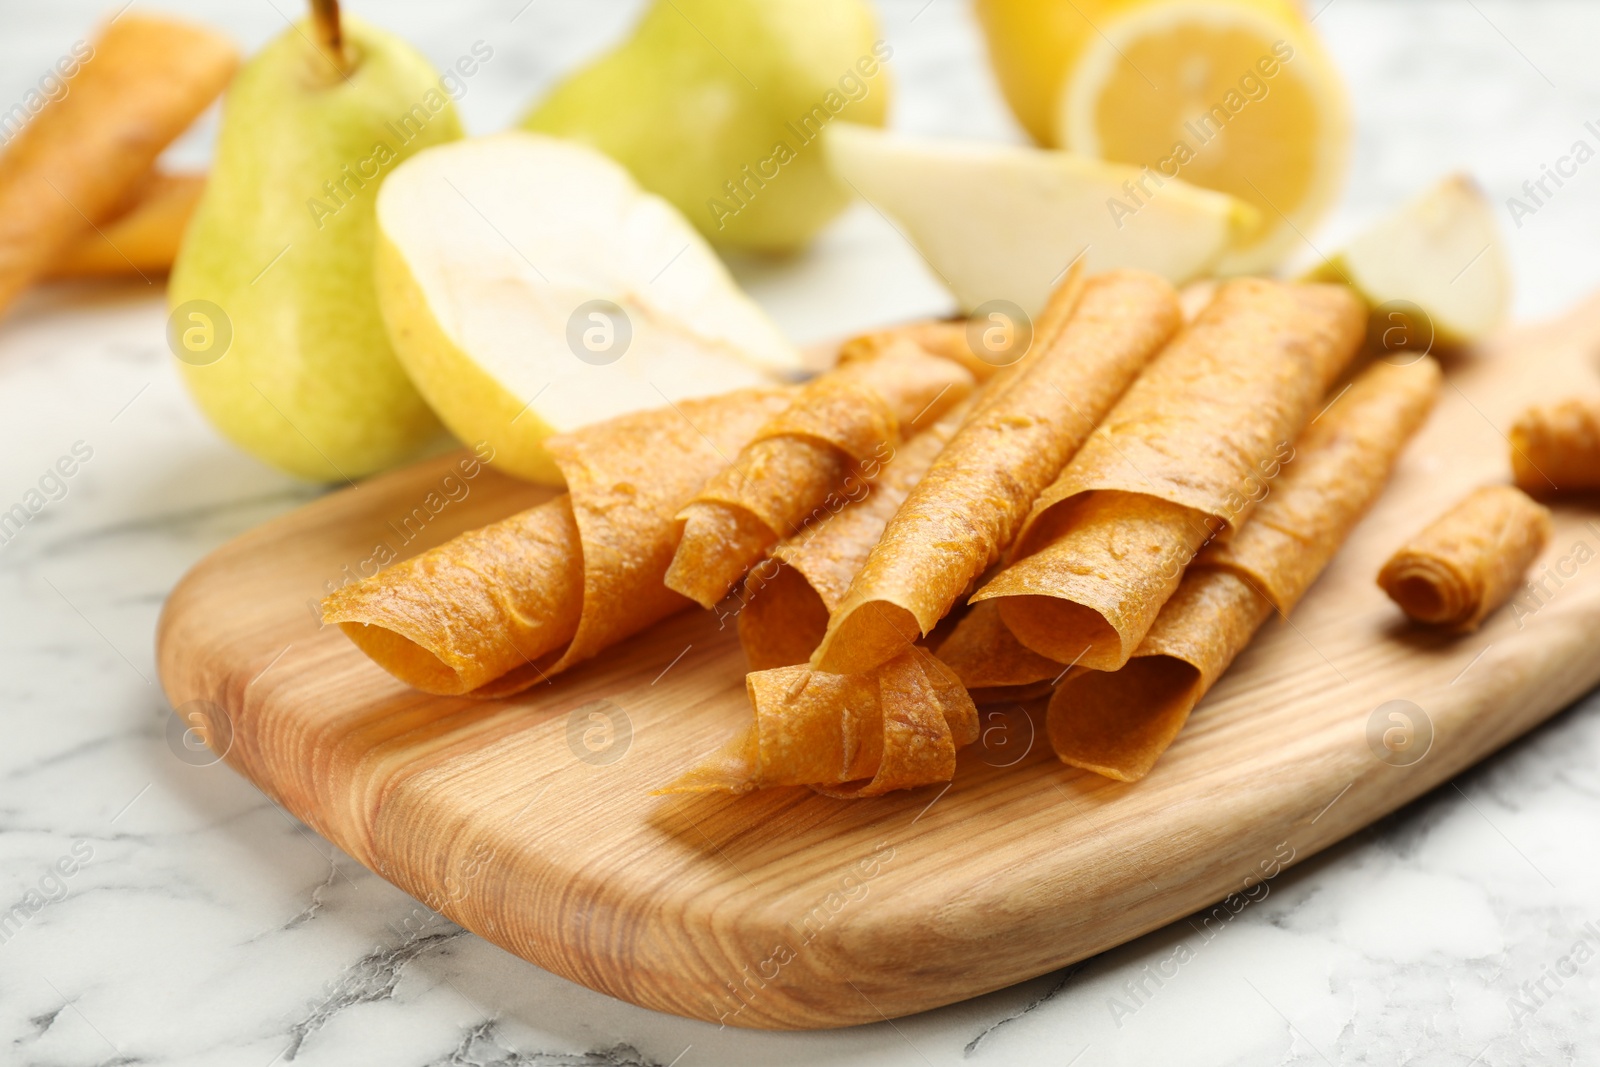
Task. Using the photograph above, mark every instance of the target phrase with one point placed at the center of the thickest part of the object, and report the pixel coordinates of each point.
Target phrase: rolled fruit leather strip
(1467, 562)
(893, 727)
(842, 425)
(1556, 447)
(784, 605)
(82, 158)
(953, 338)
(1187, 452)
(896, 726)
(959, 518)
(1118, 723)
(497, 609)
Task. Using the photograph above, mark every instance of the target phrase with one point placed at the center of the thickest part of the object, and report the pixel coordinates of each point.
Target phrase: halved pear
(1441, 252)
(491, 257)
(1002, 222)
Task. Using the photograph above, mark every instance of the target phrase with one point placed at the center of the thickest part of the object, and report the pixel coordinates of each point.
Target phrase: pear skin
(275, 314)
(707, 88)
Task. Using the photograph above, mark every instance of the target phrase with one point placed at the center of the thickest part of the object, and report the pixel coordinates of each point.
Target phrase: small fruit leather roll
(1184, 457)
(497, 609)
(1467, 562)
(895, 726)
(1556, 447)
(972, 501)
(841, 428)
(1118, 723)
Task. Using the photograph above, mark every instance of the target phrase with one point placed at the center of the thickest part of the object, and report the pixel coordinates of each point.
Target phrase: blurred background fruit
(1434, 271)
(717, 105)
(1003, 222)
(1232, 95)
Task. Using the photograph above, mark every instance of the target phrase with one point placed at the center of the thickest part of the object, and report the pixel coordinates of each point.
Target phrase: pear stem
(325, 13)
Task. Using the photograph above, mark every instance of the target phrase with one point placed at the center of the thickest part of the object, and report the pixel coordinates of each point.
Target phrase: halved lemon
(1225, 95)
(1033, 43)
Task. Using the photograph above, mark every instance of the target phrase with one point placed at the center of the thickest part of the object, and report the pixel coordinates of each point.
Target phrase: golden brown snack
(1185, 456)
(1118, 723)
(475, 608)
(784, 607)
(144, 239)
(84, 154)
(1467, 562)
(1556, 447)
(1341, 463)
(966, 510)
(858, 735)
(875, 726)
(453, 619)
(986, 655)
(947, 338)
(836, 436)
(953, 339)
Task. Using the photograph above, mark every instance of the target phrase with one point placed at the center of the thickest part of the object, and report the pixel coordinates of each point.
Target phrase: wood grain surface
(530, 821)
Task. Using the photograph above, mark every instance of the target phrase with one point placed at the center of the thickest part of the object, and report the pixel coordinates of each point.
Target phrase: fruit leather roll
(972, 501)
(1184, 456)
(1556, 447)
(947, 338)
(989, 659)
(896, 726)
(1467, 562)
(1118, 723)
(783, 608)
(838, 433)
(497, 609)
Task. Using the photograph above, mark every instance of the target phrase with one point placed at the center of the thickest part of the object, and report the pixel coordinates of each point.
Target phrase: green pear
(718, 106)
(275, 317)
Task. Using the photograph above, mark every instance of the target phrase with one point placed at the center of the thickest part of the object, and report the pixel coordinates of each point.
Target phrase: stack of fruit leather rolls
(1118, 723)
(1184, 457)
(957, 490)
(500, 608)
(891, 728)
(964, 512)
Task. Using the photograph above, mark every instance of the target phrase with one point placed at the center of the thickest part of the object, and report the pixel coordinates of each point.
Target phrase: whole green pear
(718, 106)
(275, 315)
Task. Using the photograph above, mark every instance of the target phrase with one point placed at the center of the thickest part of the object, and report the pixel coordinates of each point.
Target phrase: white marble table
(200, 924)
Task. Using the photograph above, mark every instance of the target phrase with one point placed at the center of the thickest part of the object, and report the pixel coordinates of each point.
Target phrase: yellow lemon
(1033, 43)
(1223, 94)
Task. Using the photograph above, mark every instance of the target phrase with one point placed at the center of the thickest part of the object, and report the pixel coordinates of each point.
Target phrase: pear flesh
(275, 317)
(531, 287)
(1003, 222)
(1434, 272)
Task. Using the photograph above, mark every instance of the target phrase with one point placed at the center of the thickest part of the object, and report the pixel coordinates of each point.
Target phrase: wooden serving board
(530, 821)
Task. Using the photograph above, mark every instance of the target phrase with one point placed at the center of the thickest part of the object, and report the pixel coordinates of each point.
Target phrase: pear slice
(1442, 253)
(1002, 222)
(531, 287)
